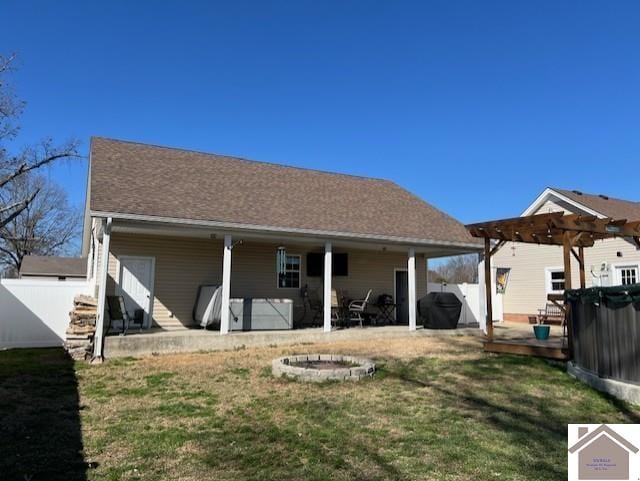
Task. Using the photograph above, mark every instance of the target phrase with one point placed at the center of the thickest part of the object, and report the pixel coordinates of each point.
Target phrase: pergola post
(98, 338)
(583, 277)
(566, 252)
(226, 284)
(327, 287)
(487, 286)
(567, 244)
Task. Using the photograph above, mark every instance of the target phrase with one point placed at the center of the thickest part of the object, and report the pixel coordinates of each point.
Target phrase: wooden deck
(518, 338)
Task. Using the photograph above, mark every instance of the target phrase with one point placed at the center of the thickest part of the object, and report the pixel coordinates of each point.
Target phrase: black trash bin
(440, 310)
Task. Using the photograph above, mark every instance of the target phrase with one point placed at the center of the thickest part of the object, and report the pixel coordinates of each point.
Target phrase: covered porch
(166, 263)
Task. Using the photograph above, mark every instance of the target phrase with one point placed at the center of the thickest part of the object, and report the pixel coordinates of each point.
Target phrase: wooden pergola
(573, 232)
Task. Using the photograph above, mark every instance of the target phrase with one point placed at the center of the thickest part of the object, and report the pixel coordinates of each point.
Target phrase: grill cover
(440, 310)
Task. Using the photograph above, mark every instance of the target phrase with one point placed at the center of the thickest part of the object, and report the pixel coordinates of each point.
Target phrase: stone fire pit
(323, 367)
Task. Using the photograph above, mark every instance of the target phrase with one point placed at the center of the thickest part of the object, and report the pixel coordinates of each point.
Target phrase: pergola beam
(543, 237)
(527, 222)
(605, 227)
(550, 229)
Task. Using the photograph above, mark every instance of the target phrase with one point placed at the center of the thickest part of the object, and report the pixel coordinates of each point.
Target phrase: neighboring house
(173, 220)
(537, 270)
(603, 454)
(54, 268)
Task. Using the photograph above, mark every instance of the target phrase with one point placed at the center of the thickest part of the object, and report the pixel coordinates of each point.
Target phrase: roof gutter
(286, 230)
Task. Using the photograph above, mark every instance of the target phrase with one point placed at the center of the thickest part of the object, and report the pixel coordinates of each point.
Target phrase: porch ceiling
(173, 230)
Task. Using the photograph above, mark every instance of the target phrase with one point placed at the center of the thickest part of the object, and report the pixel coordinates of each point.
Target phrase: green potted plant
(541, 330)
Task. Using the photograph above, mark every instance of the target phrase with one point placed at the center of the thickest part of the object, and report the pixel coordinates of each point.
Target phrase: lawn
(437, 409)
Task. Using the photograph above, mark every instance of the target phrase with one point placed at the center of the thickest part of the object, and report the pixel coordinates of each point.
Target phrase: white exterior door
(135, 284)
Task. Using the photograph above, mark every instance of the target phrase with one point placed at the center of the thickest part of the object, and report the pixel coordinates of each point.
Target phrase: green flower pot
(541, 332)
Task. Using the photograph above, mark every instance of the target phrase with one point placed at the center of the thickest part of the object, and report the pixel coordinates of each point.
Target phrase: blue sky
(475, 106)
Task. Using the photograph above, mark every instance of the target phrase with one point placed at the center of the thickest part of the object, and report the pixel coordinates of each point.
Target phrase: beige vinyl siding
(555, 205)
(527, 291)
(253, 273)
(607, 251)
(182, 264)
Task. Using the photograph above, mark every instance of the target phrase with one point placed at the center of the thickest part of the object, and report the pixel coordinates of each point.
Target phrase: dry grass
(438, 409)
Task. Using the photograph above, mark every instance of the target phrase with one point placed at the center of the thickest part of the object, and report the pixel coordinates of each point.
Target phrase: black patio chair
(118, 312)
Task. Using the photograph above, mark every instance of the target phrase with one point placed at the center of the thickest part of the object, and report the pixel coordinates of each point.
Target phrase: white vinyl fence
(35, 313)
(469, 295)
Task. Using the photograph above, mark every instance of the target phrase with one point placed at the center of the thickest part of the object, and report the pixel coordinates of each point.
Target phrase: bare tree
(459, 269)
(48, 225)
(18, 163)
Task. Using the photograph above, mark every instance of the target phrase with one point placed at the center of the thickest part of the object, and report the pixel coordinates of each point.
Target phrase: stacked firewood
(82, 327)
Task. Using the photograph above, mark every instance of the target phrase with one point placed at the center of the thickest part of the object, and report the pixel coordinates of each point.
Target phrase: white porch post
(411, 272)
(226, 285)
(327, 287)
(94, 269)
(98, 338)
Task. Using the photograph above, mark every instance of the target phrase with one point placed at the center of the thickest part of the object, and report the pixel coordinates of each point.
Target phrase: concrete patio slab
(154, 342)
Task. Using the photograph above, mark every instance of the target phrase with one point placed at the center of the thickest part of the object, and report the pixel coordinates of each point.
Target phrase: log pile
(82, 327)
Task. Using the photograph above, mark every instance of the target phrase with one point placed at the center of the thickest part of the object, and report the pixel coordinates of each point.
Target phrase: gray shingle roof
(133, 178)
(54, 266)
(608, 206)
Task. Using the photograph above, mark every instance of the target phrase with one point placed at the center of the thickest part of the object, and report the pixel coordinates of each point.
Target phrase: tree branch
(7, 208)
(25, 167)
(22, 205)
(14, 259)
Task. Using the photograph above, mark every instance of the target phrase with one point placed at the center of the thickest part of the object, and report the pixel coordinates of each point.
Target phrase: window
(289, 276)
(339, 264)
(555, 280)
(627, 275)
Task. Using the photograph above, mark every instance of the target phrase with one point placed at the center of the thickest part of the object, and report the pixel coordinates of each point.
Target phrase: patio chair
(553, 314)
(337, 307)
(313, 299)
(357, 308)
(118, 312)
